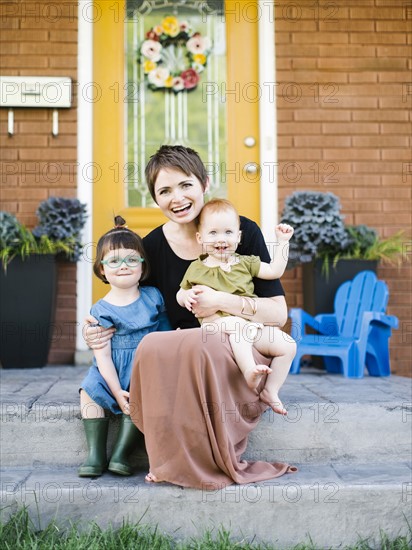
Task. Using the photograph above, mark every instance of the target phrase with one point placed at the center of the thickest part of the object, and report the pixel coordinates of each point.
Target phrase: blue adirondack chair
(355, 336)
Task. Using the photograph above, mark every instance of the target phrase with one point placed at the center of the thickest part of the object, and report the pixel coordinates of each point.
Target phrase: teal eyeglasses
(130, 261)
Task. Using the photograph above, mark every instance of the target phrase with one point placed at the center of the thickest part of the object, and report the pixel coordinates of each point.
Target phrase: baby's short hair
(217, 205)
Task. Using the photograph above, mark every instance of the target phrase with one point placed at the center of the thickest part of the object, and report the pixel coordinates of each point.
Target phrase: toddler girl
(134, 312)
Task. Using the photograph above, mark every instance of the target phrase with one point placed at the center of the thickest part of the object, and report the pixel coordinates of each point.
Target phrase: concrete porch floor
(351, 440)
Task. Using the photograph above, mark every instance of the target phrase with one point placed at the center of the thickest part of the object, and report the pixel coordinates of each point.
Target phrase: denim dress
(132, 322)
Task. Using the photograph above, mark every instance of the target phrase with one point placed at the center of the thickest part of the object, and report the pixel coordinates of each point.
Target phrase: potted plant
(28, 278)
(329, 251)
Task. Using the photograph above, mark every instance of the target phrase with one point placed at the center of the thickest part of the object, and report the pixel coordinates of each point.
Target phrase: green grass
(19, 533)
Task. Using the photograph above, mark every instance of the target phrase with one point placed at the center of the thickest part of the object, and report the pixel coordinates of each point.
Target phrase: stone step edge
(350, 503)
(317, 411)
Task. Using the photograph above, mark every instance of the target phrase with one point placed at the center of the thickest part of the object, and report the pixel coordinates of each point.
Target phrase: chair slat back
(363, 293)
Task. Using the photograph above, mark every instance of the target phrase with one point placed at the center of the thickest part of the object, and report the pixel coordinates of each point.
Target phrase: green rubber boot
(96, 436)
(126, 443)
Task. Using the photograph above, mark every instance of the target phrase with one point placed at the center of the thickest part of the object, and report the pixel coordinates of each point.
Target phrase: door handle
(251, 168)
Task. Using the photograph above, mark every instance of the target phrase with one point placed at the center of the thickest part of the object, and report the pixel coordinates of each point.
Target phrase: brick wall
(40, 39)
(343, 69)
(344, 112)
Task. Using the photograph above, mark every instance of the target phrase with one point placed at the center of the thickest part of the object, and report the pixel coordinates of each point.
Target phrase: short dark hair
(119, 237)
(178, 157)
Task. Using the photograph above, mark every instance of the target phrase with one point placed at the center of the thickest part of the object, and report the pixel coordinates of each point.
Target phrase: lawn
(18, 533)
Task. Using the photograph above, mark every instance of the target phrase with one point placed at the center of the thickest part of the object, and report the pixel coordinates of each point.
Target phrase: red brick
(348, 50)
(389, 76)
(363, 77)
(63, 62)
(319, 141)
(394, 51)
(363, 64)
(376, 167)
(351, 153)
(397, 154)
(320, 38)
(373, 13)
(8, 154)
(24, 194)
(393, 26)
(396, 128)
(383, 193)
(24, 62)
(322, 115)
(50, 154)
(377, 38)
(350, 25)
(380, 141)
(22, 140)
(381, 115)
(299, 128)
(396, 206)
(350, 128)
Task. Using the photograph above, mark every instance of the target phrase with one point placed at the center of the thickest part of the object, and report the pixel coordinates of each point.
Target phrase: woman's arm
(262, 310)
(107, 370)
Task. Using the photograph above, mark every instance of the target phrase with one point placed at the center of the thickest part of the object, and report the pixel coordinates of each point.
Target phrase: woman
(187, 394)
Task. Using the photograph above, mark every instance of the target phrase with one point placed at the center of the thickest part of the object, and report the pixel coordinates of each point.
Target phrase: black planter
(319, 289)
(27, 305)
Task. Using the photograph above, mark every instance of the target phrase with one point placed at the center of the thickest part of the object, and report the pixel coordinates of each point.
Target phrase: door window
(157, 110)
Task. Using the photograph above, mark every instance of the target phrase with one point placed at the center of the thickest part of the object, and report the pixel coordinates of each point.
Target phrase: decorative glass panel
(163, 107)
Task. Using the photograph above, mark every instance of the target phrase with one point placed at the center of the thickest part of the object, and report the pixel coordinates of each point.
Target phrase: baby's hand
(122, 399)
(190, 298)
(283, 232)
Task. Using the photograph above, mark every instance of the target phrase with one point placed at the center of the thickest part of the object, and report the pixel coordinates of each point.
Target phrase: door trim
(268, 122)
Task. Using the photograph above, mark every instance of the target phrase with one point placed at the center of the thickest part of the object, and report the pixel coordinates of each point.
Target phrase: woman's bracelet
(251, 302)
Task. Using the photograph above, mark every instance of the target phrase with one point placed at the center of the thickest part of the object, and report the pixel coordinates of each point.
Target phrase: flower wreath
(173, 56)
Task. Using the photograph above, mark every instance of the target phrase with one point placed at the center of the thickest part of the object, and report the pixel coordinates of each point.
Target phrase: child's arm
(187, 298)
(277, 266)
(107, 370)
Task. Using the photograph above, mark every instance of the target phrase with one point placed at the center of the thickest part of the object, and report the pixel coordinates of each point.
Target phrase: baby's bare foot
(254, 375)
(272, 399)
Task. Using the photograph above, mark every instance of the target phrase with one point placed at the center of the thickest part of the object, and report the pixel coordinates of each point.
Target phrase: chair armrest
(328, 324)
(300, 318)
(376, 317)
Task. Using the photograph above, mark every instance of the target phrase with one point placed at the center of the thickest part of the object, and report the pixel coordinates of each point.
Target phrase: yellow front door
(240, 92)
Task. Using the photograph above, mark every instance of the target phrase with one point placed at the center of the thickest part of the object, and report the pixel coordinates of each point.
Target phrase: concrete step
(330, 419)
(333, 504)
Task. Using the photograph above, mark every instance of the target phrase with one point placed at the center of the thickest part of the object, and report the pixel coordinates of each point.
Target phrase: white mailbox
(53, 92)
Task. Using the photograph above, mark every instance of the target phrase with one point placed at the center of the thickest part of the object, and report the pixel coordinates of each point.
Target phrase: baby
(223, 270)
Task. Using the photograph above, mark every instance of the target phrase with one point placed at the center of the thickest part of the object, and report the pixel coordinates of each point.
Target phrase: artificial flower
(151, 49)
(198, 44)
(190, 79)
(169, 81)
(151, 35)
(199, 58)
(178, 84)
(171, 26)
(149, 66)
(158, 77)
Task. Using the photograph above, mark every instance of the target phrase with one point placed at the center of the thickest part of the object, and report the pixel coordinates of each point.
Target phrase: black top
(167, 270)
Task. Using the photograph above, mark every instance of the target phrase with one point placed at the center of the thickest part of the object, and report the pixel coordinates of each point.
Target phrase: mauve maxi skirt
(189, 398)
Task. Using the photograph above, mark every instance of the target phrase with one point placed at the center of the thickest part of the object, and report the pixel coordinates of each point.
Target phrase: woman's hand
(122, 398)
(207, 301)
(95, 336)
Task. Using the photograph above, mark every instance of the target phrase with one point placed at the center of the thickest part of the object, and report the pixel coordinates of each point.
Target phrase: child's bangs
(124, 239)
